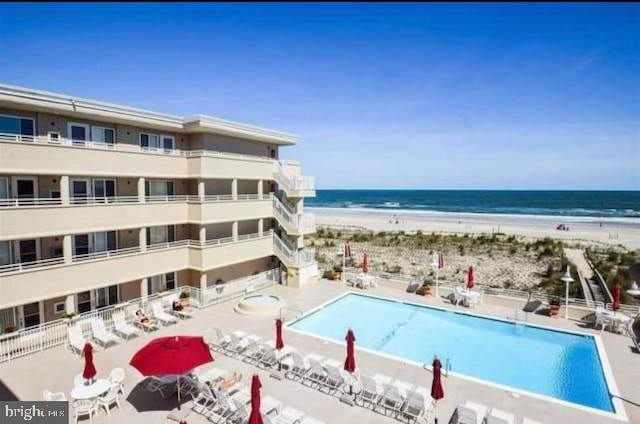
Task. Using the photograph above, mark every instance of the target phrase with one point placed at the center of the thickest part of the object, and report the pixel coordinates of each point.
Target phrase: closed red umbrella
(279, 341)
(365, 264)
(470, 278)
(437, 392)
(256, 416)
(616, 297)
(173, 355)
(89, 369)
(350, 362)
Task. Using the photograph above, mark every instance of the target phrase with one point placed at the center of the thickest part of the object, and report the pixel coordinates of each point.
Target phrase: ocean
(602, 204)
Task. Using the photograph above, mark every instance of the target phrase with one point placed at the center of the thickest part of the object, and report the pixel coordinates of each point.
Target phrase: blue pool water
(562, 365)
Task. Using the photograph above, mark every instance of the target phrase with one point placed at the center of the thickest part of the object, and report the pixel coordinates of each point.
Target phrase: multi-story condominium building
(100, 204)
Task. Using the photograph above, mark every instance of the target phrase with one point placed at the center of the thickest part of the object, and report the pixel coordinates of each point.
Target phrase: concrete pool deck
(54, 369)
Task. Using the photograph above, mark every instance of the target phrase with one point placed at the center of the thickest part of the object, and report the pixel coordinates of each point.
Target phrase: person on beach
(176, 305)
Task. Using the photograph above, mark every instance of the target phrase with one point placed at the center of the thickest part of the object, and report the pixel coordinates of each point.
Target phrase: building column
(261, 227)
(67, 249)
(300, 206)
(201, 189)
(260, 189)
(234, 189)
(141, 191)
(144, 289)
(70, 305)
(202, 234)
(203, 282)
(64, 189)
(142, 239)
(234, 230)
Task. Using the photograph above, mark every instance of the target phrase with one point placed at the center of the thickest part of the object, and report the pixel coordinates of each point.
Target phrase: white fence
(54, 333)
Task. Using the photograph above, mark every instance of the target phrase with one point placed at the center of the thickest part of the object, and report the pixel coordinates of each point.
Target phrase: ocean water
(552, 363)
(604, 204)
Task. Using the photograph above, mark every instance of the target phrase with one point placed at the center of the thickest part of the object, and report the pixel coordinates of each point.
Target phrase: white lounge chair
(211, 375)
(370, 393)
(268, 358)
(497, 416)
(162, 316)
(165, 389)
(219, 340)
(470, 413)
(50, 396)
(100, 333)
(121, 327)
(529, 421)
(203, 399)
(288, 415)
(254, 350)
(236, 344)
(391, 401)
(311, 420)
(76, 339)
(317, 374)
(334, 379)
(297, 366)
(414, 406)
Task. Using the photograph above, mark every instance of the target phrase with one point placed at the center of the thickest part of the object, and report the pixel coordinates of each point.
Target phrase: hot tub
(259, 304)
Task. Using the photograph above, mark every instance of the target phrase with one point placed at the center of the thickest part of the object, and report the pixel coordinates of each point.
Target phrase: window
(170, 280)
(54, 136)
(149, 141)
(102, 135)
(59, 308)
(17, 125)
(104, 188)
(5, 253)
(28, 250)
(31, 314)
(81, 244)
(4, 188)
(168, 142)
(78, 133)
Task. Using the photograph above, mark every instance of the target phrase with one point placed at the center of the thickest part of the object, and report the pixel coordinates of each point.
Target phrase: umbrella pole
(435, 420)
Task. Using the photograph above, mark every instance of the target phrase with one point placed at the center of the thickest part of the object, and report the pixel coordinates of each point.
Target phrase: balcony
(25, 282)
(32, 218)
(42, 155)
(293, 257)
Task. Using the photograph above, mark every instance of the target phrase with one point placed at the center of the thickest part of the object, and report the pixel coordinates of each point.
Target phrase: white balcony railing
(108, 254)
(34, 201)
(291, 182)
(293, 222)
(51, 334)
(293, 257)
(125, 147)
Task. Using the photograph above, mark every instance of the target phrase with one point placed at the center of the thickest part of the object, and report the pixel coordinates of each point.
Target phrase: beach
(584, 230)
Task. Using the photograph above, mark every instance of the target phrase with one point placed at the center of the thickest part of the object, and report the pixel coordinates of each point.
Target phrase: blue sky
(382, 95)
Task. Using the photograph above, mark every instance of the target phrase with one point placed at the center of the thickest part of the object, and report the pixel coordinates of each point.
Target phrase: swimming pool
(538, 360)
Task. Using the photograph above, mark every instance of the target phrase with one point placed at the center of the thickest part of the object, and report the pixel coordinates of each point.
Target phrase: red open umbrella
(365, 264)
(350, 362)
(256, 416)
(470, 278)
(173, 355)
(616, 297)
(437, 392)
(89, 369)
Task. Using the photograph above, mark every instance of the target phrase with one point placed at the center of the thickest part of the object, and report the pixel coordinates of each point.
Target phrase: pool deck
(54, 369)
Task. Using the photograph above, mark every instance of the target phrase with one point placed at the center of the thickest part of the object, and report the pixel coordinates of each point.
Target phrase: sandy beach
(586, 230)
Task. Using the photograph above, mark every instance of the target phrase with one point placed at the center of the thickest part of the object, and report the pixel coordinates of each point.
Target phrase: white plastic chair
(108, 399)
(121, 326)
(83, 408)
(76, 339)
(116, 377)
(161, 315)
(470, 413)
(497, 416)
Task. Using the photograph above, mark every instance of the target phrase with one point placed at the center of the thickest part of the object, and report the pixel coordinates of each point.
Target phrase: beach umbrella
(89, 369)
(350, 361)
(437, 392)
(256, 416)
(279, 341)
(470, 278)
(365, 264)
(173, 355)
(616, 297)
(347, 250)
(440, 261)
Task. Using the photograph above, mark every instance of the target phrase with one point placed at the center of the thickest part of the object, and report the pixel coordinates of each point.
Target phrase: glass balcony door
(106, 296)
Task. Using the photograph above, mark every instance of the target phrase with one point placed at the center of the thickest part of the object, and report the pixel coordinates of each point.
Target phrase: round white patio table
(92, 390)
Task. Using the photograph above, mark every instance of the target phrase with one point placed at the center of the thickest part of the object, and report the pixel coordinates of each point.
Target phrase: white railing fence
(45, 336)
(513, 293)
(292, 256)
(291, 181)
